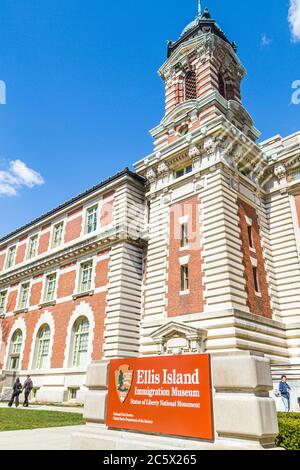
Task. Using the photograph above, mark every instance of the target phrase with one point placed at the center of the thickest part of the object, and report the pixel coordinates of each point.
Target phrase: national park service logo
(123, 380)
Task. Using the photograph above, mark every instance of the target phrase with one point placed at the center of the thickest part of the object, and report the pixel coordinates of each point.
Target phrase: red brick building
(198, 250)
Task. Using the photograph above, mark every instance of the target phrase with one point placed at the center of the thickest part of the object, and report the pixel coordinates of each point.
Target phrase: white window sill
(184, 248)
(20, 310)
(50, 303)
(258, 294)
(184, 292)
(78, 295)
(253, 250)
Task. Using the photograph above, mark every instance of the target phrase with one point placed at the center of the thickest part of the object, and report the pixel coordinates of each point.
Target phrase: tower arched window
(15, 350)
(222, 85)
(80, 342)
(190, 86)
(42, 347)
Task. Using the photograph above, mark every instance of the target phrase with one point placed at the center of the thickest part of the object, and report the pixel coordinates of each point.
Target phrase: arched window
(42, 347)
(15, 350)
(190, 86)
(80, 342)
(222, 86)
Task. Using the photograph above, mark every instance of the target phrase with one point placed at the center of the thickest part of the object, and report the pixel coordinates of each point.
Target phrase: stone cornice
(102, 241)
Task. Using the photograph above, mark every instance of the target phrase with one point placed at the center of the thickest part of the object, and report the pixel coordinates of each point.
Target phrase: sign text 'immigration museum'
(166, 395)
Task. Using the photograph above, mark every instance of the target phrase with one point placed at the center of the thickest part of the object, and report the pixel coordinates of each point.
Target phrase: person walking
(27, 387)
(17, 390)
(285, 390)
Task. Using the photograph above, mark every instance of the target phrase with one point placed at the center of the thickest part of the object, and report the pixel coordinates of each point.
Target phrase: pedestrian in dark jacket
(285, 390)
(17, 390)
(27, 387)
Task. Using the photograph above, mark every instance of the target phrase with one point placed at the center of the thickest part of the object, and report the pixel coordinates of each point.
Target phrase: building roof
(65, 205)
(202, 24)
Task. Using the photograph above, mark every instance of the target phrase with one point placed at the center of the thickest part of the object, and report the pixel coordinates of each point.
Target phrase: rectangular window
(50, 288)
(295, 175)
(3, 296)
(184, 235)
(91, 219)
(57, 235)
(32, 247)
(85, 282)
(250, 236)
(256, 279)
(73, 393)
(24, 296)
(183, 171)
(184, 278)
(11, 255)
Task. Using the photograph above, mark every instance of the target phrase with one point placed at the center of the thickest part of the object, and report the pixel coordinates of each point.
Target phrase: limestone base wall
(244, 413)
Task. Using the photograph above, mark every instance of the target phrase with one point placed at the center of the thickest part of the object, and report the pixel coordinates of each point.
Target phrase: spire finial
(199, 8)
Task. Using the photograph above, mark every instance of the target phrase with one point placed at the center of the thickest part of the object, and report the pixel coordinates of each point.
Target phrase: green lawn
(16, 419)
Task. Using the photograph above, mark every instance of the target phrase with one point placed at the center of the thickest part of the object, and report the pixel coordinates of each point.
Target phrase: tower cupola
(202, 76)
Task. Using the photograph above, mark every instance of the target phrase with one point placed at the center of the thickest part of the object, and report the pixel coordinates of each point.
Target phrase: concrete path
(38, 439)
(66, 409)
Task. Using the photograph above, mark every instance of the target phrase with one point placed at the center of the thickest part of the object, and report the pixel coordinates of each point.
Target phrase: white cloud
(294, 19)
(265, 41)
(16, 176)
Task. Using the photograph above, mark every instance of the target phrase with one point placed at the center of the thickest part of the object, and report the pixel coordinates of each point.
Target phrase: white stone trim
(80, 261)
(18, 325)
(44, 281)
(184, 219)
(45, 319)
(82, 310)
(184, 260)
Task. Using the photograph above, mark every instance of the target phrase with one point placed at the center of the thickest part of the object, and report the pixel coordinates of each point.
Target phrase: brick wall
(61, 313)
(106, 215)
(193, 302)
(257, 305)
(21, 252)
(73, 226)
(44, 240)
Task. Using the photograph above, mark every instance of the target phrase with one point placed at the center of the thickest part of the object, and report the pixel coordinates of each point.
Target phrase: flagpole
(199, 7)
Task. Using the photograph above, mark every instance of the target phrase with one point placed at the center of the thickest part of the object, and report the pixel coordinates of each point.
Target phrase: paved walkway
(66, 409)
(38, 439)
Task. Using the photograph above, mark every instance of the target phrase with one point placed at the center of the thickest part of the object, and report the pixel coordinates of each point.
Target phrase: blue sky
(83, 89)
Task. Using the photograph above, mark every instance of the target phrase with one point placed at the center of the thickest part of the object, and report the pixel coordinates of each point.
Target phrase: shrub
(289, 431)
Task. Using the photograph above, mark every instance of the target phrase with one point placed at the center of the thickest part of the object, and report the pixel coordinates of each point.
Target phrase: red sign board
(165, 395)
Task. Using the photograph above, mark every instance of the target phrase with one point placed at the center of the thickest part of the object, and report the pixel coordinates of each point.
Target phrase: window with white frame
(256, 279)
(57, 235)
(183, 171)
(15, 351)
(91, 219)
(32, 247)
(250, 235)
(50, 287)
(85, 276)
(11, 255)
(43, 347)
(80, 342)
(184, 278)
(73, 393)
(3, 296)
(295, 174)
(24, 296)
(184, 235)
